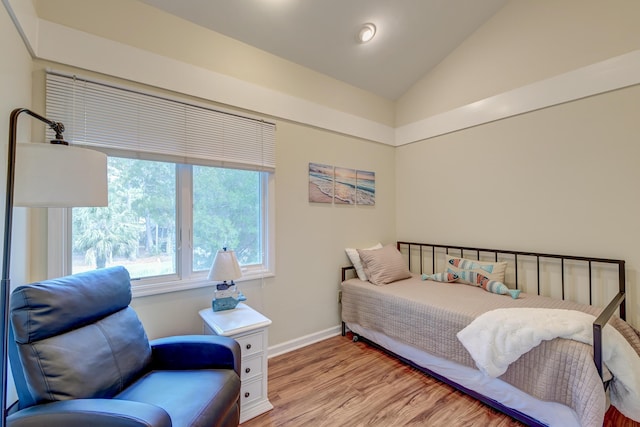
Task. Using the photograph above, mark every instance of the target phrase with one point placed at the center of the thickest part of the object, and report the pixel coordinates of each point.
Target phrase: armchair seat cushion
(189, 397)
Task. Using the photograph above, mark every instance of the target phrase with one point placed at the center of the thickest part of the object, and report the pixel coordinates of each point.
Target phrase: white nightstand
(249, 328)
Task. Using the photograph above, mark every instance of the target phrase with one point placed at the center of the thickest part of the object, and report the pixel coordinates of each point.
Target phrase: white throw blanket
(499, 337)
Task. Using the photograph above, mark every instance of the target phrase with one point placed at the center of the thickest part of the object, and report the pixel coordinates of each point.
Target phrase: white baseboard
(303, 341)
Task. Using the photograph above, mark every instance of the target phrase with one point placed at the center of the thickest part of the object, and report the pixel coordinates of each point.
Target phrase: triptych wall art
(333, 184)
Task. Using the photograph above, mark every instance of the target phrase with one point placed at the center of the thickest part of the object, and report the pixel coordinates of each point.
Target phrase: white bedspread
(499, 337)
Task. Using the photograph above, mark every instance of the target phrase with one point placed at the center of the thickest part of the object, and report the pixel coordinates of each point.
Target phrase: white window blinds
(100, 115)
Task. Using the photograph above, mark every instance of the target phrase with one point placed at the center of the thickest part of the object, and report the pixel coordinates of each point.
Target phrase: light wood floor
(340, 383)
(337, 383)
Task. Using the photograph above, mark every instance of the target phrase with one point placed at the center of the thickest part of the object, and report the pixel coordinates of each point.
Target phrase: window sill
(160, 287)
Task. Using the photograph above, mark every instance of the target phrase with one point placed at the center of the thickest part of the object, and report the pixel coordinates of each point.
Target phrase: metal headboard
(476, 252)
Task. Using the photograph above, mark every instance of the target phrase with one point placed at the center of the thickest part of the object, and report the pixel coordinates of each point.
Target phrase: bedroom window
(138, 227)
(227, 212)
(184, 181)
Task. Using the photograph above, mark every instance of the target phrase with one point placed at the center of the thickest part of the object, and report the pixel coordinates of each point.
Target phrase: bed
(559, 381)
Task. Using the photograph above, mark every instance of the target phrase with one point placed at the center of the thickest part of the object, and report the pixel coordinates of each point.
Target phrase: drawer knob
(248, 346)
(247, 394)
(247, 370)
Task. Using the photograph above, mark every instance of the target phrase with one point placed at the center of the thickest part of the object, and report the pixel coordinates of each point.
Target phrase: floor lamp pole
(6, 253)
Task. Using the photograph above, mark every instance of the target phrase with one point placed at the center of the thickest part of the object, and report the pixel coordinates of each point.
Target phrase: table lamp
(226, 268)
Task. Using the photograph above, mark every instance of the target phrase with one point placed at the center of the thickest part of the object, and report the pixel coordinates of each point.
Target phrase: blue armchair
(80, 357)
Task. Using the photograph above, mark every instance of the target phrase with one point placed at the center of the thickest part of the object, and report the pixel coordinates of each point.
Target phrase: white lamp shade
(56, 175)
(225, 266)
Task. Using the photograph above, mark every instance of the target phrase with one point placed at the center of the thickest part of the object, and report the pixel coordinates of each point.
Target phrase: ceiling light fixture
(366, 33)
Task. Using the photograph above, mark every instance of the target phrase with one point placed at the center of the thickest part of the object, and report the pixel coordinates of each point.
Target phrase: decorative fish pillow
(476, 279)
(491, 270)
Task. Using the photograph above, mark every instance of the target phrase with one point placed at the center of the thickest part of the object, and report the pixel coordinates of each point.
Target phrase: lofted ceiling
(412, 36)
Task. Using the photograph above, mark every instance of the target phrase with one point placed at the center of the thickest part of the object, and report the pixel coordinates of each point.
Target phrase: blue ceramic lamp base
(226, 297)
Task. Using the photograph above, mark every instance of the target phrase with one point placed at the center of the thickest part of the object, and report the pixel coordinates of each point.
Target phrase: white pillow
(357, 263)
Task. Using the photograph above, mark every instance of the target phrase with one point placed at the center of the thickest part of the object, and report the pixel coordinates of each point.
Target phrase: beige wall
(561, 179)
(526, 41)
(310, 237)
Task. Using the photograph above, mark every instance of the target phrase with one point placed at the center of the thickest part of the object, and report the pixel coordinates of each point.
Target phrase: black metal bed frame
(618, 302)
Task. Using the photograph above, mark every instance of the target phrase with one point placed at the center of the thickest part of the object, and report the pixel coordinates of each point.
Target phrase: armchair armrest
(196, 352)
(90, 412)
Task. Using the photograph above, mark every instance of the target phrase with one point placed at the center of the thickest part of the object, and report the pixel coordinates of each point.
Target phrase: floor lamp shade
(57, 175)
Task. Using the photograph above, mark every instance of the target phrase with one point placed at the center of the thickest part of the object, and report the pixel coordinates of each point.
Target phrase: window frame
(59, 247)
(181, 130)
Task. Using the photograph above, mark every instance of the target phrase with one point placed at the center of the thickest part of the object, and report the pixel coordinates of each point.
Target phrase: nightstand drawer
(250, 392)
(251, 344)
(251, 367)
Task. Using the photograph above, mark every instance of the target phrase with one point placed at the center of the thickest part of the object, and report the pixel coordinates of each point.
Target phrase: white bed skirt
(550, 413)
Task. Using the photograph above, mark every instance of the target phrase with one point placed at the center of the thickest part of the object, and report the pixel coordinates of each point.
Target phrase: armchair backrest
(76, 337)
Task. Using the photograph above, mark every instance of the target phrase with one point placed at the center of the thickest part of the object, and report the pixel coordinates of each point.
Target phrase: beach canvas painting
(365, 188)
(345, 186)
(320, 183)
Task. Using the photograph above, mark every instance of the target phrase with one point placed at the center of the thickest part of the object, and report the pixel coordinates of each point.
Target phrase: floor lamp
(43, 175)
